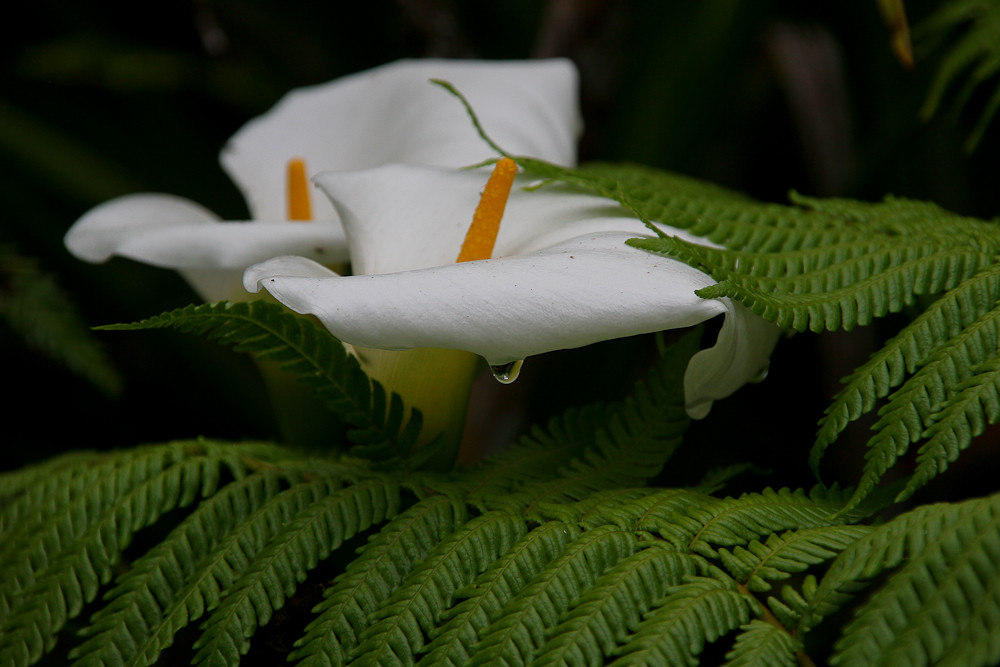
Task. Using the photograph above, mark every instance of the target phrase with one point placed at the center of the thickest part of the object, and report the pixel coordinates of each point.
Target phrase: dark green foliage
(507, 562)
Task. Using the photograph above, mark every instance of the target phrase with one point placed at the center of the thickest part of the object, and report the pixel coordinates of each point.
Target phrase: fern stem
(800, 656)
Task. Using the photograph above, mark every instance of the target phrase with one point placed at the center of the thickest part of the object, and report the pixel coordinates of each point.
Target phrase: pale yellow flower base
(435, 381)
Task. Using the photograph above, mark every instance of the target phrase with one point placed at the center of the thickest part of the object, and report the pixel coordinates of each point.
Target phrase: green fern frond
(603, 616)
(734, 522)
(793, 608)
(974, 404)
(398, 627)
(691, 615)
(137, 601)
(361, 590)
(216, 572)
(763, 644)
(614, 506)
(822, 267)
(42, 523)
(940, 606)
(646, 511)
(49, 575)
(703, 209)
(913, 408)
(276, 572)
(972, 55)
(780, 556)
(319, 360)
(41, 490)
(482, 601)
(640, 434)
(887, 368)
(520, 628)
(14, 484)
(798, 306)
(436, 587)
(532, 458)
(30, 497)
(897, 218)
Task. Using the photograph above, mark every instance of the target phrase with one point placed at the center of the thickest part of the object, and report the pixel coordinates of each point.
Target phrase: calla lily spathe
(561, 277)
(388, 114)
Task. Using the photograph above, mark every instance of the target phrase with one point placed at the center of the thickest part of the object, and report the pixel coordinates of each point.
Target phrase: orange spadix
(482, 234)
(298, 191)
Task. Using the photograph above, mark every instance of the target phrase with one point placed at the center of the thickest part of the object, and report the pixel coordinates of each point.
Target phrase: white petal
(175, 233)
(585, 290)
(740, 355)
(113, 227)
(393, 114)
(287, 265)
(401, 217)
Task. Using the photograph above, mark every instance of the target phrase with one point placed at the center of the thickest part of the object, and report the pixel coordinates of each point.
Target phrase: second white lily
(388, 114)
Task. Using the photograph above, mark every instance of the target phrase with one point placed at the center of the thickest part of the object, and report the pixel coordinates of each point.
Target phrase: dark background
(103, 99)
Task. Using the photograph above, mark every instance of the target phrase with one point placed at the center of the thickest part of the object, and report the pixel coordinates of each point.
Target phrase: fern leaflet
(763, 644)
(909, 621)
(780, 556)
(691, 615)
(358, 593)
(887, 368)
(482, 601)
(602, 617)
(915, 406)
(396, 632)
(216, 572)
(973, 405)
(313, 533)
(53, 579)
(518, 632)
(137, 601)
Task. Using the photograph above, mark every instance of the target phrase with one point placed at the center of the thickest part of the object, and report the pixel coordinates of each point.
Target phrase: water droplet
(507, 373)
(759, 377)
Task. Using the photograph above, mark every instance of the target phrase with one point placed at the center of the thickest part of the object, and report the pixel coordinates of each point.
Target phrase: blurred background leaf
(965, 35)
(38, 314)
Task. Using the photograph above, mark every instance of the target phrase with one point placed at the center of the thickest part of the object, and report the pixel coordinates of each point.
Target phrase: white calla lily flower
(388, 114)
(560, 277)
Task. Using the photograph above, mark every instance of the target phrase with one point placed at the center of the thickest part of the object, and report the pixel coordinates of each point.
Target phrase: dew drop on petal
(507, 373)
(759, 377)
